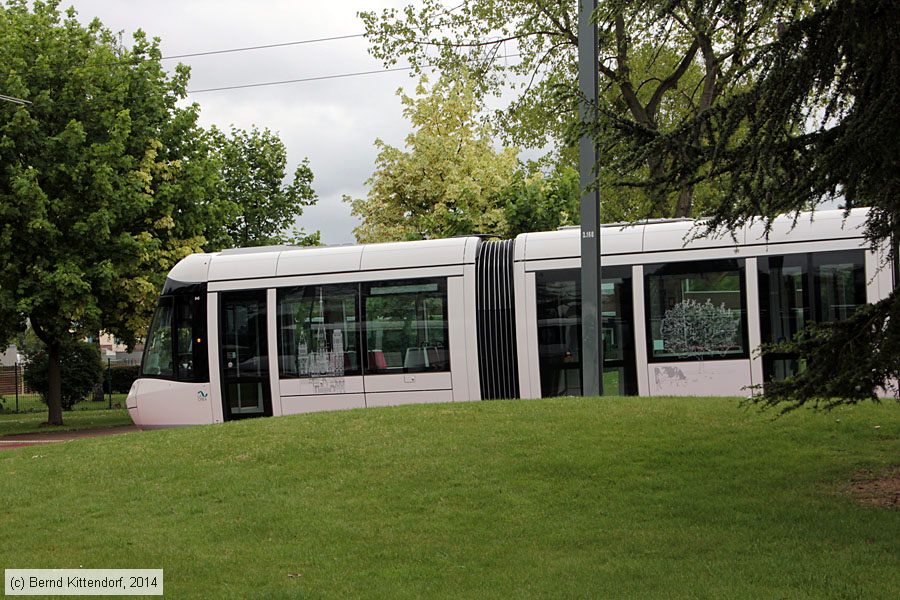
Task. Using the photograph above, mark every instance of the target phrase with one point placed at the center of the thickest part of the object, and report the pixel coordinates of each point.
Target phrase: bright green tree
(105, 180)
(448, 181)
(258, 207)
(660, 61)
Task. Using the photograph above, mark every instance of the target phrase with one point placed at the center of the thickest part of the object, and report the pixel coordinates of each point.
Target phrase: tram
(280, 330)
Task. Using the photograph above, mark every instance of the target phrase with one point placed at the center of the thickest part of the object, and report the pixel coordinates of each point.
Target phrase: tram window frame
(779, 365)
(818, 260)
(810, 262)
(660, 270)
(443, 366)
(765, 267)
(557, 367)
(283, 295)
(199, 367)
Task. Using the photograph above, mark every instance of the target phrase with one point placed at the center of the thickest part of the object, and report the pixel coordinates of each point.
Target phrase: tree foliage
(104, 178)
(451, 180)
(257, 206)
(660, 61)
(538, 201)
(448, 182)
(820, 122)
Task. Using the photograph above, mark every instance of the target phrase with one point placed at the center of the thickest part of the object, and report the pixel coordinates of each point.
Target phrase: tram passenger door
(558, 304)
(243, 355)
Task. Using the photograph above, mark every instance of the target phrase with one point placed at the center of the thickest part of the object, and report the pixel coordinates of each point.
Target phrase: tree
(258, 207)
(535, 201)
(105, 181)
(450, 179)
(660, 61)
(820, 122)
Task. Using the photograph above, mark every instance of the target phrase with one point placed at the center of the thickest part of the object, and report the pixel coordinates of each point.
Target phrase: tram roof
(279, 261)
(678, 234)
(650, 236)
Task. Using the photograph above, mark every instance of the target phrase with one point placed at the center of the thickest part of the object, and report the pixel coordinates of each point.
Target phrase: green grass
(33, 422)
(32, 403)
(614, 497)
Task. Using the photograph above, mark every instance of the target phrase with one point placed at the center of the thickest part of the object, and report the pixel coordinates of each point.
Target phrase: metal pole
(591, 331)
(109, 379)
(16, 383)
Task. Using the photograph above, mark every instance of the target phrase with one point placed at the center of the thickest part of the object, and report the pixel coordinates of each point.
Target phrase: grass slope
(73, 420)
(624, 497)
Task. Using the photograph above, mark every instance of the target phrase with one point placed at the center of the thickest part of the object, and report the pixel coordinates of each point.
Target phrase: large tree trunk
(98, 387)
(685, 202)
(54, 375)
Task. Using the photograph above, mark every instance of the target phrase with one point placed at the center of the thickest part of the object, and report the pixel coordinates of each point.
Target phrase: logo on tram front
(202, 395)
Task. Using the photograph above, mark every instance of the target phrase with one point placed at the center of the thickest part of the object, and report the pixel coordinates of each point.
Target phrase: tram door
(244, 355)
(558, 299)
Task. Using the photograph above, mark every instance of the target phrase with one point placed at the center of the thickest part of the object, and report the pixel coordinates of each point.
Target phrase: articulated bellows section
(495, 307)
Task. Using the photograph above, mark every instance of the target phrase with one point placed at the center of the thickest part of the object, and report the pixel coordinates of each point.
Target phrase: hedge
(122, 376)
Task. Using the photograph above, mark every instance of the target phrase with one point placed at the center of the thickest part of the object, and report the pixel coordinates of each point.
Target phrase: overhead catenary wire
(264, 46)
(304, 79)
(324, 77)
(14, 100)
(283, 44)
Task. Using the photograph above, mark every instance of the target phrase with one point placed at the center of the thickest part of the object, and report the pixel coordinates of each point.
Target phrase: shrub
(79, 367)
(121, 376)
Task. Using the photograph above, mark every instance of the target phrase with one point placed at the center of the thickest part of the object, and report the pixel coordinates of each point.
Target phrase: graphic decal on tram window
(321, 362)
(318, 333)
(695, 329)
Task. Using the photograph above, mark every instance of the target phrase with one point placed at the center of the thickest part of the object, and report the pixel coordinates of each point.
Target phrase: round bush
(79, 367)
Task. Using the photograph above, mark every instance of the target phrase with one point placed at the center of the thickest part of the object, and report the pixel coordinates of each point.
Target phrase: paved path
(17, 440)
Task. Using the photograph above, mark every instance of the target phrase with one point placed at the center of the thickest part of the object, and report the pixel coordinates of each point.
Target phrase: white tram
(281, 330)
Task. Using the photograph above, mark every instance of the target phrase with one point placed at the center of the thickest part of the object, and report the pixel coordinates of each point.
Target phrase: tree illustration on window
(691, 328)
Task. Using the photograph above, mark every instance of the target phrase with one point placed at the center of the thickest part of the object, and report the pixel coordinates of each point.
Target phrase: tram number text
(586, 235)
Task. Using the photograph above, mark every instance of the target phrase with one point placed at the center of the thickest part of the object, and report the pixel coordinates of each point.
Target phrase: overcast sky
(334, 122)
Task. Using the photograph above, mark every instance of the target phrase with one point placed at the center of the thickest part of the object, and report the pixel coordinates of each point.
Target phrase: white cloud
(332, 122)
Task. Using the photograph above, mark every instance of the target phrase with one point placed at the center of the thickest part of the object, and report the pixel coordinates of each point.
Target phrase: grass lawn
(78, 419)
(616, 497)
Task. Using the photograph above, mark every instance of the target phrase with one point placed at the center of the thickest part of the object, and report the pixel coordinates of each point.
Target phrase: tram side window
(797, 289)
(840, 280)
(318, 331)
(184, 339)
(176, 343)
(696, 310)
(158, 360)
(406, 326)
(191, 358)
